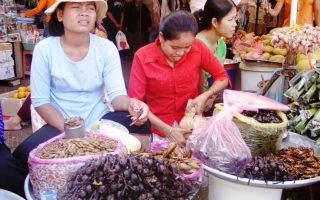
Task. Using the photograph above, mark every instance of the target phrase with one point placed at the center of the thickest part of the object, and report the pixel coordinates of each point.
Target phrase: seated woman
(71, 70)
(165, 74)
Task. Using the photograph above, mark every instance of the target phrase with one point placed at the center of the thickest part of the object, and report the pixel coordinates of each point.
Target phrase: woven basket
(261, 138)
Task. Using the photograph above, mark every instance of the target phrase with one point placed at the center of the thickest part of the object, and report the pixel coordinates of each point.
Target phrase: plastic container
(220, 189)
(28, 46)
(253, 73)
(231, 74)
(5, 194)
(75, 131)
(48, 194)
(231, 67)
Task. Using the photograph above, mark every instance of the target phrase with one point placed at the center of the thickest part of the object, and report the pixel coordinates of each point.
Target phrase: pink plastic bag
(54, 173)
(219, 144)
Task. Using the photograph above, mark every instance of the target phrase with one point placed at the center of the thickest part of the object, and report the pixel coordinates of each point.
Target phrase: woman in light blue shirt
(70, 72)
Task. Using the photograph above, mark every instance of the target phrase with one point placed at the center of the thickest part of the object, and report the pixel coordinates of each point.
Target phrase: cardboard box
(10, 106)
(6, 72)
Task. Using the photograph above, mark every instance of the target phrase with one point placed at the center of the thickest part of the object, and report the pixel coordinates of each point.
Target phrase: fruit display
(304, 93)
(284, 165)
(240, 34)
(22, 92)
(129, 177)
(259, 48)
(303, 41)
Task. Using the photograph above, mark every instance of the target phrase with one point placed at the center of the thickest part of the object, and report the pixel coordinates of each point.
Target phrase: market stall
(244, 147)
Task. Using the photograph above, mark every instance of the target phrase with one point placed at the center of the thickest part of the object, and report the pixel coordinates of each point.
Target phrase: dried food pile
(129, 177)
(65, 148)
(73, 122)
(263, 116)
(284, 165)
(178, 156)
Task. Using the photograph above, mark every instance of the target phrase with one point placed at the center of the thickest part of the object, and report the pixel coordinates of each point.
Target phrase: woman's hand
(209, 103)
(139, 111)
(178, 135)
(100, 27)
(200, 102)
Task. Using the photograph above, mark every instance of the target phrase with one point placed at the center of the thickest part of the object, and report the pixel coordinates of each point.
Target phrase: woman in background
(165, 75)
(42, 4)
(216, 20)
(114, 20)
(308, 11)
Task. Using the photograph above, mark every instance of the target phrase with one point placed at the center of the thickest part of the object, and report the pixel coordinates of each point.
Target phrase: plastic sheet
(276, 90)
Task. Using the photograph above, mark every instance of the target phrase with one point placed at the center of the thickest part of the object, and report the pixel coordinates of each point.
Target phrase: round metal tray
(290, 140)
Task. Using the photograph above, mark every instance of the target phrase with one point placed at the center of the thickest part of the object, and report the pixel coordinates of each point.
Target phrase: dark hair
(213, 9)
(178, 22)
(55, 27)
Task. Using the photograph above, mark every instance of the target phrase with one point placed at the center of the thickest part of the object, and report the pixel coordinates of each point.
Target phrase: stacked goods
(258, 48)
(52, 162)
(239, 35)
(304, 92)
(298, 39)
(271, 53)
(261, 131)
(6, 60)
(249, 47)
(284, 165)
(129, 177)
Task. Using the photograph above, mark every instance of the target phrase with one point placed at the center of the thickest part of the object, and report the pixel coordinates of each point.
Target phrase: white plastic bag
(196, 5)
(121, 40)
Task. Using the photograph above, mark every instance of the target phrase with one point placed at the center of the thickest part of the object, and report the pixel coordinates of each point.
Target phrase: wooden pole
(293, 12)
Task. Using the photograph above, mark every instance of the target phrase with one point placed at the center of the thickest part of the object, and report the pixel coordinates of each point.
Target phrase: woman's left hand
(139, 111)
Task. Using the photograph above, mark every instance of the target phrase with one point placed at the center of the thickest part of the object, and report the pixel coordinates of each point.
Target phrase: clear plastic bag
(219, 144)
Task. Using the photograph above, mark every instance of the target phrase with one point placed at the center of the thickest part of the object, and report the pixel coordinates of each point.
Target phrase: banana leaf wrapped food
(261, 138)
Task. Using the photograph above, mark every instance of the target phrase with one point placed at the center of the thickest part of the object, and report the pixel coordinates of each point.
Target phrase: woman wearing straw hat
(70, 72)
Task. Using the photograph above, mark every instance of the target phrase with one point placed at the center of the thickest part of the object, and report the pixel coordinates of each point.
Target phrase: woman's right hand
(178, 135)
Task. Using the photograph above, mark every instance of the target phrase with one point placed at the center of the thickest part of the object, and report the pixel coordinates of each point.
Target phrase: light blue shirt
(76, 88)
